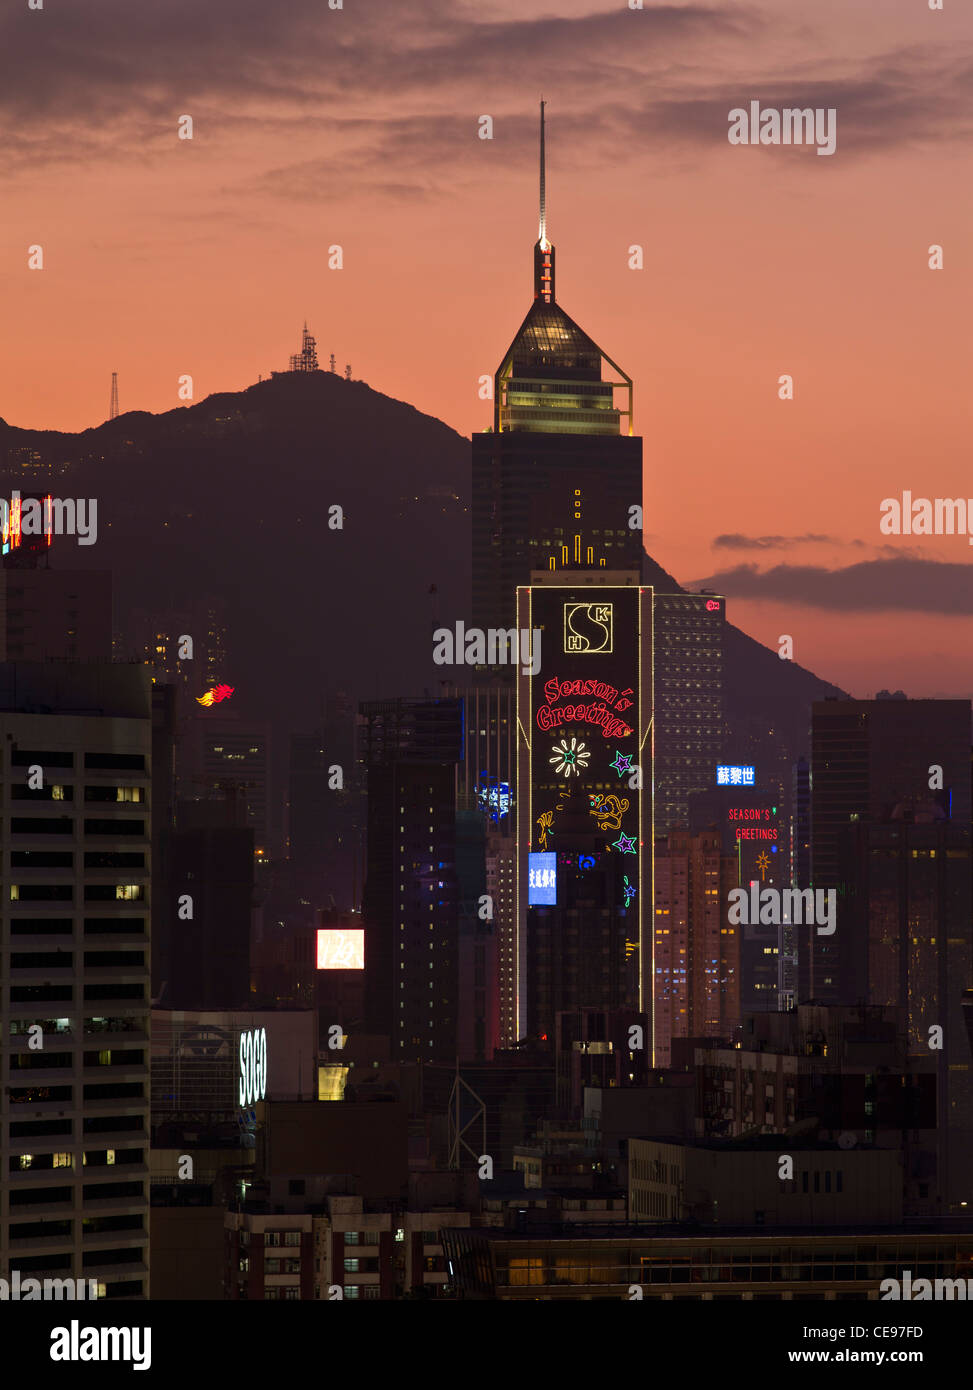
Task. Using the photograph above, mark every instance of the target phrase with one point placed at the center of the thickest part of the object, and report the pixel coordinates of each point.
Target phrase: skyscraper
(555, 480)
(74, 944)
(410, 749)
(688, 731)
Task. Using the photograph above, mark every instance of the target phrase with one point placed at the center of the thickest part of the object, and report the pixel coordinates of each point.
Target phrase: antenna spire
(543, 251)
(543, 231)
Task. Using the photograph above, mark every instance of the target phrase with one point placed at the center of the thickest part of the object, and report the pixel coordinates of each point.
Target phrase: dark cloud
(107, 80)
(735, 541)
(904, 584)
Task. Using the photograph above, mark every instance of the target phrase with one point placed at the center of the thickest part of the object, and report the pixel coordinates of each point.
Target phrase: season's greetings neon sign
(599, 711)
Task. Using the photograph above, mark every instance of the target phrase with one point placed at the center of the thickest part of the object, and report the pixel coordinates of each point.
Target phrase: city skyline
(145, 259)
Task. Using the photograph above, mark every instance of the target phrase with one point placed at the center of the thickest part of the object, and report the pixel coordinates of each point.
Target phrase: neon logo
(588, 627)
(253, 1066)
(215, 695)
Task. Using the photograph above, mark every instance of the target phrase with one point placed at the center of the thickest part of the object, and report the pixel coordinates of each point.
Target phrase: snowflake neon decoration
(569, 759)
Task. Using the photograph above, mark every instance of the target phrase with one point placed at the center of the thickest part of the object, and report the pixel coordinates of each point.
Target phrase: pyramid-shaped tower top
(550, 380)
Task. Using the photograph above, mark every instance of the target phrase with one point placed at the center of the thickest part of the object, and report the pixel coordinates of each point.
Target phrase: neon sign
(569, 759)
(588, 627)
(341, 948)
(625, 844)
(599, 711)
(608, 811)
(622, 763)
(494, 796)
(542, 880)
(712, 606)
(734, 776)
(215, 695)
(253, 1066)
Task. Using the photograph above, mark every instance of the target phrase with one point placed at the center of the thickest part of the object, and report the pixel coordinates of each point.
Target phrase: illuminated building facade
(696, 951)
(410, 749)
(753, 830)
(584, 809)
(74, 961)
(689, 631)
(871, 762)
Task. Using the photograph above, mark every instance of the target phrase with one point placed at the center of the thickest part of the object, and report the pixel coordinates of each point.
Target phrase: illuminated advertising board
(584, 762)
(542, 880)
(734, 776)
(253, 1066)
(341, 948)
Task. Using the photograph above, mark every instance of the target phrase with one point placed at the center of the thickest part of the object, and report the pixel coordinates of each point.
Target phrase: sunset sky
(358, 127)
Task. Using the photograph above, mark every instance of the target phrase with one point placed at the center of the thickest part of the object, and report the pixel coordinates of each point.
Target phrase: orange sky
(359, 127)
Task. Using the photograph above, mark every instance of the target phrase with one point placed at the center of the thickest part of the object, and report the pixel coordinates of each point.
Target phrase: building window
(351, 1266)
(293, 1237)
(351, 1290)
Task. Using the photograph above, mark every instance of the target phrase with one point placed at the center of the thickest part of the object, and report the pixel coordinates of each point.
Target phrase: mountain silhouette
(231, 499)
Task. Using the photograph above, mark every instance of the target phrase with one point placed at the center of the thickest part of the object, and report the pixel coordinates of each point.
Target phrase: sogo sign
(253, 1066)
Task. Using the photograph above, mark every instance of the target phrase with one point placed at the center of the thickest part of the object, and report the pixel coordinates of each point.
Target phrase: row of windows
(64, 791)
(119, 762)
(64, 892)
(64, 825)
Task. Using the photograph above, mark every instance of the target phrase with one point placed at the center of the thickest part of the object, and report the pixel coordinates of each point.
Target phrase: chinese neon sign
(734, 776)
(542, 880)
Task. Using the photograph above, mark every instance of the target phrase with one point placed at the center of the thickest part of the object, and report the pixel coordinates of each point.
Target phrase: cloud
(736, 541)
(107, 81)
(904, 584)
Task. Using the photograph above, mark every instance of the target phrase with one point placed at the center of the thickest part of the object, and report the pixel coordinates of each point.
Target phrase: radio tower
(332, 361)
(113, 408)
(307, 359)
(348, 371)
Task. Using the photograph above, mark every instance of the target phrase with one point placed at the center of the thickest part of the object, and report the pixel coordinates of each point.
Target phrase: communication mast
(113, 407)
(307, 359)
(332, 361)
(347, 371)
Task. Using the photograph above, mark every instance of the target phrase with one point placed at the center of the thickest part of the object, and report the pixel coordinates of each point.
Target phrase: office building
(74, 967)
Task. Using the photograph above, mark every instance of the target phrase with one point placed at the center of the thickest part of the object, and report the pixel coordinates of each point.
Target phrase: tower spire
(543, 251)
(543, 230)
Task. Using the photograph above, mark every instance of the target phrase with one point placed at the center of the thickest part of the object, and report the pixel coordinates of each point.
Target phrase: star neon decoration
(629, 889)
(625, 844)
(569, 759)
(622, 763)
